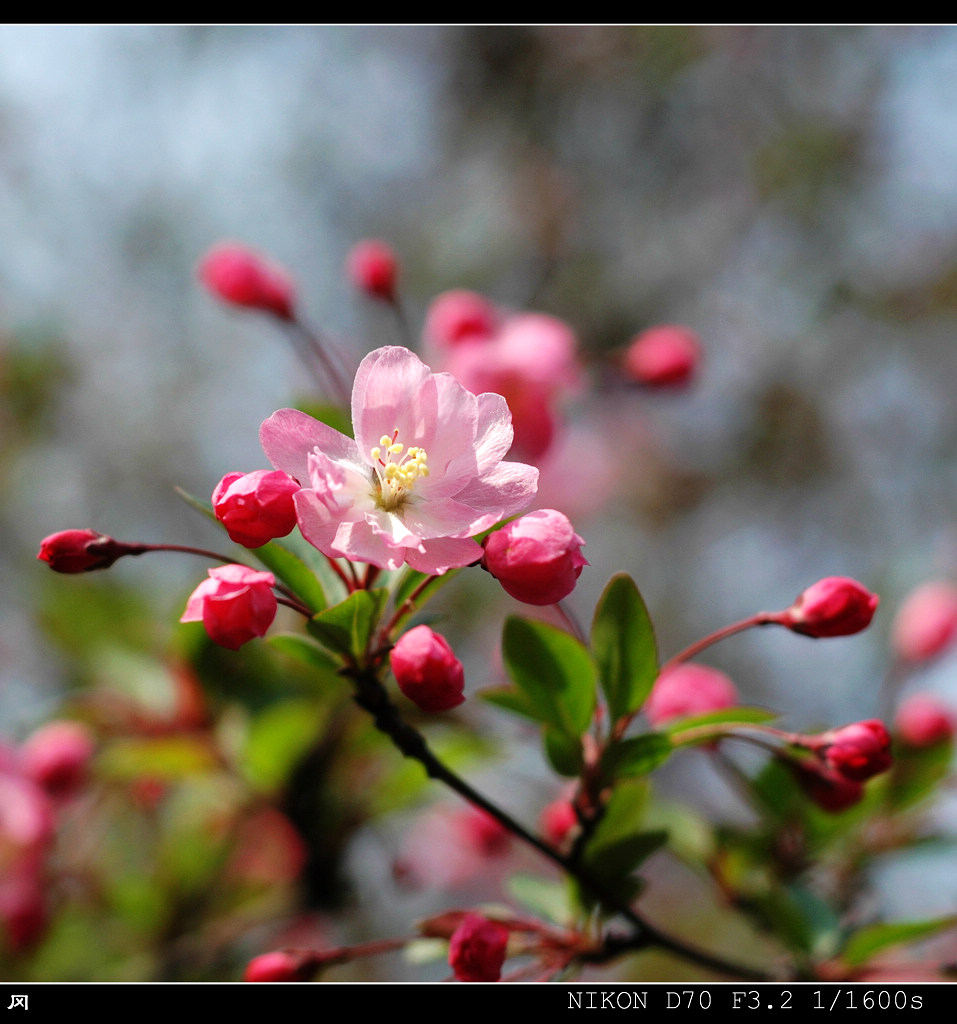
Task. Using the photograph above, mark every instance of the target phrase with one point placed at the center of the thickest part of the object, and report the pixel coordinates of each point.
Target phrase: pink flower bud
(241, 277)
(557, 820)
(834, 606)
(280, 965)
(256, 507)
(72, 551)
(427, 671)
(922, 721)
(831, 791)
(477, 949)
(372, 266)
(857, 751)
(537, 558)
(57, 757)
(478, 829)
(235, 604)
(664, 356)
(926, 623)
(458, 316)
(686, 690)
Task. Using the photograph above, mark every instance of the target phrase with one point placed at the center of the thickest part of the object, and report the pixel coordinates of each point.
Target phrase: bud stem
(758, 619)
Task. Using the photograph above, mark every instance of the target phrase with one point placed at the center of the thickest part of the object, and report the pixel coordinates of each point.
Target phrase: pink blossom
(235, 604)
(427, 671)
(57, 757)
(663, 356)
(558, 819)
(424, 474)
(834, 606)
(536, 558)
(372, 266)
(256, 507)
(477, 949)
(689, 690)
(242, 277)
(926, 623)
(923, 721)
(459, 316)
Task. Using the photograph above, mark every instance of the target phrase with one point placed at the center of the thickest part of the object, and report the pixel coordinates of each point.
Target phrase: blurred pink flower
(923, 721)
(242, 277)
(926, 623)
(689, 690)
(664, 356)
(424, 474)
(373, 268)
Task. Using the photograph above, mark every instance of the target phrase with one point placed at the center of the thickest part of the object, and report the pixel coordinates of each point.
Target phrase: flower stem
(310, 342)
(759, 619)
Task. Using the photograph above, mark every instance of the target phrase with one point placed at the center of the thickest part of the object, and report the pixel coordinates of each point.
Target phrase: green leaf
(201, 506)
(554, 671)
(291, 570)
(917, 772)
(277, 740)
(866, 942)
(347, 627)
(618, 859)
(163, 757)
(306, 650)
(545, 897)
(564, 752)
(638, 755)
(623, 643)
(409, 580)
(512, 699)
(620, 841)
(740, 714)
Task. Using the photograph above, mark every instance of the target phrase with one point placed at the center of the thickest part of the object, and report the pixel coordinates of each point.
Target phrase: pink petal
(444, 553)
(289, 436)
(392, 389)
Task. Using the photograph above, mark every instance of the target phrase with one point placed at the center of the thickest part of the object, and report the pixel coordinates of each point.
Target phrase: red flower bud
(372, 267)
(256, 507)
(458, 316)
(72, 551)
(235, 604)
(57, 757)
(857, 751)
(427, 671)
(926, 623)
(922, 721)
(477, 949)
(280, 965)
(834, 606)
(536, 558)
(687, 690)
(241, 277)
(665, 356)
(831, 791)
(557, 820)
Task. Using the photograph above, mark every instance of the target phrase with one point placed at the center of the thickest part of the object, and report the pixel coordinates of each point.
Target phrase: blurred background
(788, 193)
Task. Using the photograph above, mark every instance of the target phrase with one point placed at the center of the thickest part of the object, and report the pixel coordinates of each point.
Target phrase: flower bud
(72, 551)
(57, 756)
(235, 604)
(373, 268)
(686, 690)
(922, 721)
(831, 791)
(664, 356)
(926, 623)
(537, 558)
(477, 949)
(280, 965)
(558, 819)
(241, 277)
(427, 671)
(256, 507)
(458, 316)
(834, 606)
(857, 751)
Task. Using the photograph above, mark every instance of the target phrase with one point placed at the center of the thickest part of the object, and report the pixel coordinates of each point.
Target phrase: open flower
(422, 477)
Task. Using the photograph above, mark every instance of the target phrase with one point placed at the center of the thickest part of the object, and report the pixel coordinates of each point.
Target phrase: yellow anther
(396, 448)
(385, 440)
(377, 453)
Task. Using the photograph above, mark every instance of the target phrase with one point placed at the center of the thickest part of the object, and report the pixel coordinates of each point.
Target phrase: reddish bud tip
(477, 949)
(558, 819)
(922, 721)
(537, 558)
(57, 757)
(372, 267)
(427, 671)
(256, 507)
(242, 277)
(926, 623)
(279, 965)
(857, 751)
(687, 690)
(834, 606)
(664, 356)
(72, 551)
(235, 605)
(831, 791)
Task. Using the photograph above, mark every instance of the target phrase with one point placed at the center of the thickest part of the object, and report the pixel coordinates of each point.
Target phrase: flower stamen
(400, 469)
